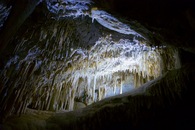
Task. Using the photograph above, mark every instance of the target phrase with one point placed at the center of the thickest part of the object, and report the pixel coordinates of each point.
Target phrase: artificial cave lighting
(48, 71)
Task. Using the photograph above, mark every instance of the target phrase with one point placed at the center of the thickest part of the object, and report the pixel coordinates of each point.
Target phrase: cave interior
(97, 64)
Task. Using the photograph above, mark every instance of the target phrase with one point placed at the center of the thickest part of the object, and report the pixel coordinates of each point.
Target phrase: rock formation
(76, 54)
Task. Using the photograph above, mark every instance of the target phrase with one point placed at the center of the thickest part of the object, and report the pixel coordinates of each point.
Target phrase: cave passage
(64, 61)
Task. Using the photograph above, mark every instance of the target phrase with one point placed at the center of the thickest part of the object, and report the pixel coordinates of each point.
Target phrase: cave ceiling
(172, 20)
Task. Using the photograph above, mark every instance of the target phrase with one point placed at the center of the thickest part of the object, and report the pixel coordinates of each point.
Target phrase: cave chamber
(74, 65)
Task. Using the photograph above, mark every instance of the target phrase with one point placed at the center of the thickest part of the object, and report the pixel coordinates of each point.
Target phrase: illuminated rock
(50, 69)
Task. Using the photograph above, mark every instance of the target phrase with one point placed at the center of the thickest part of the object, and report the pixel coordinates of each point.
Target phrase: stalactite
(121, 86)
(88, 87)
(94, 87)
(104, 92)
(114, 86)
(54, 66)
(135, 79)
(69, 99)
(49, 98)
(99, 94)
(66, 102)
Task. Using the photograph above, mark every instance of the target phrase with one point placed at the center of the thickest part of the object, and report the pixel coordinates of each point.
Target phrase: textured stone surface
(164, 103)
